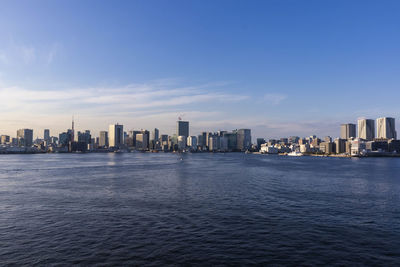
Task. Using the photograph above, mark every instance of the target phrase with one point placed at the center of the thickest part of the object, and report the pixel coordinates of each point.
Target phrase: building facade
(182, 128)
(366, 129)
(116, 135)
(347, 131)
(25, 137)
(386, 128)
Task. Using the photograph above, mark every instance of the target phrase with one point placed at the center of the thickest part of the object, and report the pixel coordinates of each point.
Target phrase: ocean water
(198, 209)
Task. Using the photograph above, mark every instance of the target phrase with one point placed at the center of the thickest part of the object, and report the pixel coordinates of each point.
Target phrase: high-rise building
(103, 139)
(46, 135)
(366, 129)
(155, 134)
(25, 137)
(142, 140)
(340, 146)
(386, 128)
(116, 135)
(192, 141)
(182, 142)
(260, 141)
(182, 128)
(347, 131)
(243, 139)
(4, 139)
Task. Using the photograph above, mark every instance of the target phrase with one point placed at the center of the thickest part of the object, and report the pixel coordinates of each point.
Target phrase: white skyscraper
(386, 128)
(366, 129)
(116, 135)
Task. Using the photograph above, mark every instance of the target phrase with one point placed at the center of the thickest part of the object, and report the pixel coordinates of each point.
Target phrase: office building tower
(46, 135)
(386, 128)
(192, 141)
(366, 129)
(116, 135)
(155, 134)
(340, 146)
(260, 141)
(347, 131)
(25, 137)
(182, 142)
(103, 139)
(142, 141)
(243, 139)
(232, 140)
(182, 128)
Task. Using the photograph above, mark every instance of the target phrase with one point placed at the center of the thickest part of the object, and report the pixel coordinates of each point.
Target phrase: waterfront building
(54, 140)
(64, 138)
(192, 141)
(232, 140)
(223, 143)
(142, 141)
(181, 142)
(347, 131)
(155, 134)
(116, 135)
(326, 147)
(200, 140)
(103, 139)
(386, 128)
(340, 146)
(25, 137)
(266, 149)
(305, 148)
(366, 129)
(214, 143)
(182, 128)
(328, 139)
(4, 139)
(46, 135)
(394, 146)
(294, 140)
(260, 141)
(358, 147)
(243, 139)
(315, 142)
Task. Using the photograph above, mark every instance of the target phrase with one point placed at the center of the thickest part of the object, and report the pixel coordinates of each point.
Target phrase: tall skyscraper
(103, 139)
(386, 128)
(182, 128)
(243, 139)
(46, 135)
(155, 134)
(366, 129)
(116, 135)
(347, 131)
(25, 137)
(142, 140)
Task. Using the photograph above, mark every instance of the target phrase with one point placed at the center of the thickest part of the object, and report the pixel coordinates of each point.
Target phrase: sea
(204, 209)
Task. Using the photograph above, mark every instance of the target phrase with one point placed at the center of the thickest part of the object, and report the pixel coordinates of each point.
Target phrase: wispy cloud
(135, 104)
(274, 98)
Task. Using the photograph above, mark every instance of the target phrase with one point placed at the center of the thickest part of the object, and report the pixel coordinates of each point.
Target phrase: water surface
(206, 209)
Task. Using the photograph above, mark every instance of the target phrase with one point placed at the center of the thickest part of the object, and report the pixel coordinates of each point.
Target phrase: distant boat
(295, 154)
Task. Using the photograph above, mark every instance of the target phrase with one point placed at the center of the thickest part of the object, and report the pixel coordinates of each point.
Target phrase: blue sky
(278, 67)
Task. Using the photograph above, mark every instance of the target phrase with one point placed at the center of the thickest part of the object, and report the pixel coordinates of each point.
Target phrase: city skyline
(220, 72)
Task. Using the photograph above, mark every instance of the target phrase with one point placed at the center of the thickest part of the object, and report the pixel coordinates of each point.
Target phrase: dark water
(207, 209)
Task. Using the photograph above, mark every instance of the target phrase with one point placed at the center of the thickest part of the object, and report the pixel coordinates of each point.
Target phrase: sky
(280, 68)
